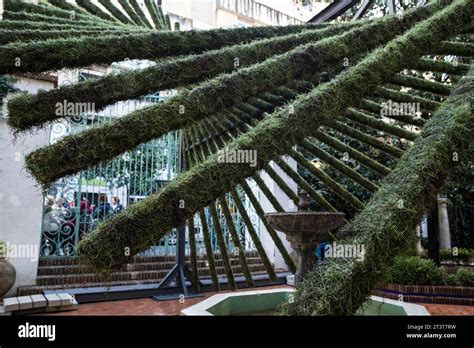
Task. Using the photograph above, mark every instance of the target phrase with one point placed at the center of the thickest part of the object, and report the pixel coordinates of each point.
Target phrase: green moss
(140, 13)
(384, 225)
(236, 240)
(157, 21)
(45, 9)
(131, 12)
(30, 25)
(150, 219)
(421, 84)
(74, 153)
(10, 36)
(116, 12)
(374, 121)
(34, 110)
(73, 52)
(90, 7)
(33, 17)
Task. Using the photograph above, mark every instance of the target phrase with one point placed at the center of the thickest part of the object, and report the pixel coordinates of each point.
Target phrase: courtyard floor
(148, 306)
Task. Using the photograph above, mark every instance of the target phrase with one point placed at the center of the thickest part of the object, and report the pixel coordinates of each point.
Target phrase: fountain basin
(266, 302)
(305, 228)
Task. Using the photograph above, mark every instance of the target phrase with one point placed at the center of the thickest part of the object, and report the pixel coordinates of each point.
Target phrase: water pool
(266, 302)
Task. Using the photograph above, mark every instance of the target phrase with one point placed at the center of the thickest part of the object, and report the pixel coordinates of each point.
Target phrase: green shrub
(452, 280)
(414, 270)
(465, 277)
(457, 254)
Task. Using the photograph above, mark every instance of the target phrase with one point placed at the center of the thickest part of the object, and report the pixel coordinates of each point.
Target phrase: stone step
(127, 275)
(39, 289)
(74, 260)
(140, 266)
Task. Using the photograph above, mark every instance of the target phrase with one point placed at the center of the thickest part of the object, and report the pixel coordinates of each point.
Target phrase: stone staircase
(67, 273)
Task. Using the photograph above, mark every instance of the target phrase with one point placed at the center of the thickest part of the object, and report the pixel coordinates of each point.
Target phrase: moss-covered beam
(253, 234)
(44, 9)
(385, 225)
(165, 19)
(421, 84)
(32, 17)
(324, 178)
(374, 107)
(143, 125)
(301, 182)
(292, 196)
(460, 49)
(236, 240)
(27, 111)
(266, 191)
(146, 221)
(140, 13)
(365, 138)
(271, 231)
(131, 13)
(29, 25)
(362, 158)
(68, 7)
(209, 253)
(446, 67)
(339, 165)
(193, 254)
(10, 36)
(222, 247)
(374, 121)
(114, 11)
(157, 22)
(391, 94)
(90, 7)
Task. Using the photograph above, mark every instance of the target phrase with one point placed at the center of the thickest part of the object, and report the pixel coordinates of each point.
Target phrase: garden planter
(7, 276)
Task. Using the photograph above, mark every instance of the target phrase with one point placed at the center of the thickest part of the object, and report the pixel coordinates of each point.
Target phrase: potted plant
(7, 271)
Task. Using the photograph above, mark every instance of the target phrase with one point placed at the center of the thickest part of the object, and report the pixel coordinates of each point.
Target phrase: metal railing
(258, 12)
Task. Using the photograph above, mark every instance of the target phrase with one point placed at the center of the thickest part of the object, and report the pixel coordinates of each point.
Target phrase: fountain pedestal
(304, 229)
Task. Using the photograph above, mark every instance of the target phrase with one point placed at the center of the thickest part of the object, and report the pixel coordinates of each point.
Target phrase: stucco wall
(21, 202)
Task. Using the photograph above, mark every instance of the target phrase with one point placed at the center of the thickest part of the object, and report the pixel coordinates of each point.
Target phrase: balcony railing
(258, 12)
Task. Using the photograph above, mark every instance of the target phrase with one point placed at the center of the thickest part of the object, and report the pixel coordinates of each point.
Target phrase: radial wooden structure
(300, 92)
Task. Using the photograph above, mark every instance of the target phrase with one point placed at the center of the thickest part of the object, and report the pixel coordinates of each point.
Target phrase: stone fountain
(304, 229)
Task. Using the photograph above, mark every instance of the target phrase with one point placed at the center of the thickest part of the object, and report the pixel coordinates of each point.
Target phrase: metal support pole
(180, 271)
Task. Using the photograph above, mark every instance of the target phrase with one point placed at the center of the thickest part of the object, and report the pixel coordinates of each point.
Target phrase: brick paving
(144, 306)
(148, 306)
(441, 309)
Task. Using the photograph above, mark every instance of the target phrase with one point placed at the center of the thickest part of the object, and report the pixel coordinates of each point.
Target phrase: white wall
(21, 202)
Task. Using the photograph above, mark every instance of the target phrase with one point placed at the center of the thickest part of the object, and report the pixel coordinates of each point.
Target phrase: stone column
(418, 246)
(444, 235)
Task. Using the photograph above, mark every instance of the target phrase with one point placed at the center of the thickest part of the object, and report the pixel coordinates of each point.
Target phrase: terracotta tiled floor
(142, 306)
(147, 306)
(440, 309)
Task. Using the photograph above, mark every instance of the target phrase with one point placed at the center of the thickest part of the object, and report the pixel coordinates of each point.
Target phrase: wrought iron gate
(76, 204)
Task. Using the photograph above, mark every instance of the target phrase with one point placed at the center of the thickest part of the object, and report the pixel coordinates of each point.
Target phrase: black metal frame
(333, 10)
(180, 271)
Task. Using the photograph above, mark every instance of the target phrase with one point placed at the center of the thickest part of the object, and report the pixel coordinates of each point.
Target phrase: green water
(267, 304)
